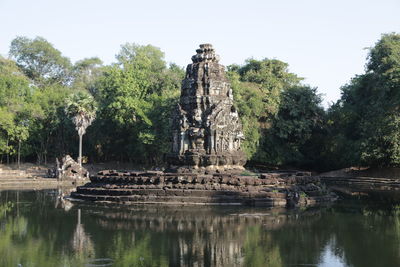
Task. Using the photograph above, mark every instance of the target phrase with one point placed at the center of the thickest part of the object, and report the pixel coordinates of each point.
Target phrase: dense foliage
(283, 120)
(279, 114)
(365, 122)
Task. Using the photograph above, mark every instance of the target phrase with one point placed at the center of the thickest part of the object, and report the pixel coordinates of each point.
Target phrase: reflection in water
(328, 257)
(81, 243)
(61, 201)
(37, 230)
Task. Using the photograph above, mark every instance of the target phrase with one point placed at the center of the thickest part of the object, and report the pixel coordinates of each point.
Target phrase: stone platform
(371, 187)
(267, 189)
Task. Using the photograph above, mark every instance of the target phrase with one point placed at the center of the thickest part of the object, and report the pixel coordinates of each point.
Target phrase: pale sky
(322, 41)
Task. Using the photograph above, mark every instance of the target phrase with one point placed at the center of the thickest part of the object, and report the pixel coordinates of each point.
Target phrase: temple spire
(207, 132)
(205, 53)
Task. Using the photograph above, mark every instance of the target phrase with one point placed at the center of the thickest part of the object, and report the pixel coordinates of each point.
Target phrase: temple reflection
(35, 233)
(201, 235)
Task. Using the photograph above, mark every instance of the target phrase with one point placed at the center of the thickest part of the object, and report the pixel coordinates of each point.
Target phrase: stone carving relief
(207, 132)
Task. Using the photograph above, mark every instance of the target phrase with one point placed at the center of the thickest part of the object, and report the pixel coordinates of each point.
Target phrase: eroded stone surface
(69, 169)
(207, 132)
(270, 189)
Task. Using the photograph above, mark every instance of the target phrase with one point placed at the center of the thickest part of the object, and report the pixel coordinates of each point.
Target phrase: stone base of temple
(193, 161)
(268, 189)
(207, 170)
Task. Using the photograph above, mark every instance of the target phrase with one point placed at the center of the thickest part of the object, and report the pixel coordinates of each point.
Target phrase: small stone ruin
(207, 132)
(68, 170)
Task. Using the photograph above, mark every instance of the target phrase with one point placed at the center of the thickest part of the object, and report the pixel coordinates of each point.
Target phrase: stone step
(370, 179)
(227, 200)
(178, 192)
(16, 179)
(362, 182)
(6, 185)
(12, 177)
(12, 172)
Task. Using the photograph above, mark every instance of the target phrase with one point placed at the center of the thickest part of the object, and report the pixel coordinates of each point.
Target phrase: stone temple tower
(207, 132)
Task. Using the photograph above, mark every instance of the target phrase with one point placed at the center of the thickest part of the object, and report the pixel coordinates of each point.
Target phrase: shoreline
(28, 183)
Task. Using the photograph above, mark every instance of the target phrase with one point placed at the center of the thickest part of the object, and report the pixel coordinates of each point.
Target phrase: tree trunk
(8, 153)
(80, 150)
(38, 158)
(19, 154)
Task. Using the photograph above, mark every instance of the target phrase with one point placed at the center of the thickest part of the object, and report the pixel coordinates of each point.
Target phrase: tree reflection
(38, 234)
(81, 242)
(33, 234)
(259, 249)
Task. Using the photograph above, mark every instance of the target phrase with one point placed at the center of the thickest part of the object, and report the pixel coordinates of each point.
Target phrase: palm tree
(81, 107)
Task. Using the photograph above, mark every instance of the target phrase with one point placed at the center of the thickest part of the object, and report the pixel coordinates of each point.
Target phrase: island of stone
(206, 161)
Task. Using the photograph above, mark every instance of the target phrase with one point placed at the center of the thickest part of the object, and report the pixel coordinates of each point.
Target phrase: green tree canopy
(258, 86)
(293, 139)
(82, 108)
(86, 73)
(369, 108)
(40, 61)
(15, 112)
(137, 96)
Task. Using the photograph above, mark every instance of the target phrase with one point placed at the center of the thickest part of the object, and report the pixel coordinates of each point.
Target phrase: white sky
(323, 41)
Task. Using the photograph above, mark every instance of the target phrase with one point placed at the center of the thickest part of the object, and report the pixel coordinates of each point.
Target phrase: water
(36, 229)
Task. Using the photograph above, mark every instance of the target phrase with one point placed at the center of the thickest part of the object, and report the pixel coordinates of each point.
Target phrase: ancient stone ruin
(267, 189)
(69, 170)
(207, 131)
(206, 153)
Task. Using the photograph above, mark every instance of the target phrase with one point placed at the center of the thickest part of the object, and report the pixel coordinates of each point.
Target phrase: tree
(21, 135)
(257, 86)
(148, 64)
(48, 130)
(40, 61)
(136, 98)
(369, 108)
(248, 99)
(81, 107)
(15, 116)
(86, 73)
(50, 77)
(295, 128)
(273, 77)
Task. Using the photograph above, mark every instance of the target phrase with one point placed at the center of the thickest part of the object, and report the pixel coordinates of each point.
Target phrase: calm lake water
(37, 229)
